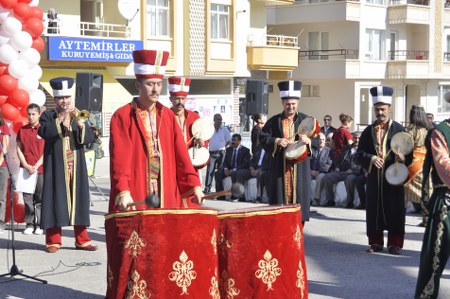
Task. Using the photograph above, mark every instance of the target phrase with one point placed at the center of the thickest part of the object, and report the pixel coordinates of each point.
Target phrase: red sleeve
(120, 158)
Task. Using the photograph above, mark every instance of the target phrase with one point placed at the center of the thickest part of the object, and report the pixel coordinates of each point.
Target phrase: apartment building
(346, 47)
(218, 43)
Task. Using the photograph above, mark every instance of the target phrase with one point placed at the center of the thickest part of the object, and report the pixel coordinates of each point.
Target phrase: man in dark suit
(327, 128)
(236, 163)
(259, 168)
(321, 161)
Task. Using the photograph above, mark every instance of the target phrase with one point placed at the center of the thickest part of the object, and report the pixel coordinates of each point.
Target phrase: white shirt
(219, 139)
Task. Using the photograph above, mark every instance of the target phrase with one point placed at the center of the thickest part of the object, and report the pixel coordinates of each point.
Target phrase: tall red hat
(150, 63)
(179, 86)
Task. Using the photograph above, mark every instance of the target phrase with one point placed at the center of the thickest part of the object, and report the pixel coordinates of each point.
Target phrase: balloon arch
(20, 44)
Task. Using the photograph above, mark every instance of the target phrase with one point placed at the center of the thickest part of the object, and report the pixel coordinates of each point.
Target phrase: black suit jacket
(243, 158)
(255, 159)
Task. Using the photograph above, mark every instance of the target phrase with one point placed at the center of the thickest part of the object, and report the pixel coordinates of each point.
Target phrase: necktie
(317, 166)
(235, 158)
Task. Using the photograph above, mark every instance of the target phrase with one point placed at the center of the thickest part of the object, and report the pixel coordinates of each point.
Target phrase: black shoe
(314, 203)
(349, 205)
(206, 190)
(258, 200)
(329, 204)
(362, 207)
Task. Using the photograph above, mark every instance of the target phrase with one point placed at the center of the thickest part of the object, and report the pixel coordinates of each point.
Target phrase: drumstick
(151, 201)
(237, 189)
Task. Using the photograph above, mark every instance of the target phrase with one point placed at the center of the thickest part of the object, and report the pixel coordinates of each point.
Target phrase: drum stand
(14, 269)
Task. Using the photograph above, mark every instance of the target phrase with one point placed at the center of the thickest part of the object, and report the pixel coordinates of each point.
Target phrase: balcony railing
(320, 1)
(447, 56)
(93, 29)
(104, 29)
(408, 55)
(281, 41)
(335, 54)
(405, 2)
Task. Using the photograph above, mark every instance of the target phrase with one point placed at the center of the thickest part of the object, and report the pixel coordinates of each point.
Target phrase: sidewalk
(335, 244)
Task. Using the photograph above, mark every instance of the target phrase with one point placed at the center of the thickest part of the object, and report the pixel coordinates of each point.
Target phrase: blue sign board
(92, 49)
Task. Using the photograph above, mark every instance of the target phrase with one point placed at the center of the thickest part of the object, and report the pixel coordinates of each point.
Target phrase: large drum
(261, 253)
(162, 253)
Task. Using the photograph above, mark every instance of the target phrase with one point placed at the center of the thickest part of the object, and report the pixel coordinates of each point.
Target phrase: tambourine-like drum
(402, 142)
(396, 174)
(296, 152)
(261, 253)
(203, 128)
(162, 253)
(309, 126)
(199, 156)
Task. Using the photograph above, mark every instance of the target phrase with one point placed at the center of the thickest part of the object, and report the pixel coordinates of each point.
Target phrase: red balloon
(24, 112)
(19, 98)
(26, 1)
(33, 26)
(8, 4)
(19, 122)
(36, 12)
(3, 69)
(9, 112)
(38, 44)
(7, 84)
(22, 11)
(3, 99)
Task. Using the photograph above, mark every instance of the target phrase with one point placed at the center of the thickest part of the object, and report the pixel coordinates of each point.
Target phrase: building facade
(349, 46)
(219, 44)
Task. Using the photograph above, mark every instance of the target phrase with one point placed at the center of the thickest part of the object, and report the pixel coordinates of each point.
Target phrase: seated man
(259, 168)
(320, 165)
(347, 166)
(235, 165)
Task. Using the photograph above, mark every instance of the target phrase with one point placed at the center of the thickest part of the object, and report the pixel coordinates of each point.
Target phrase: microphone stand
(14, 269)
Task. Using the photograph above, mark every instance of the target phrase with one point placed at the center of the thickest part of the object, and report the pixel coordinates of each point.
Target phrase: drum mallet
(151, 201)
(237, 189)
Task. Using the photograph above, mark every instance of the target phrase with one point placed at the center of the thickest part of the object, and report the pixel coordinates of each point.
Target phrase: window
(158, 18)
(375, 44)
(318, 44)
(220, 15)
(379, 2)
(310, 91)
(448, 48)
(443, 106)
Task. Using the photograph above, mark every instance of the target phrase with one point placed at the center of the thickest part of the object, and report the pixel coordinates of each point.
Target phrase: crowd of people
(52, 147)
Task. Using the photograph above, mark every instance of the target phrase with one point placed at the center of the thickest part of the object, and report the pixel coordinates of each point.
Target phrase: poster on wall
(208, 106)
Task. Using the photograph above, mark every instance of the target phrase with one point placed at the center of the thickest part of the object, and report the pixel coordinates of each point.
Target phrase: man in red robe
(179, 90)
(148, 153)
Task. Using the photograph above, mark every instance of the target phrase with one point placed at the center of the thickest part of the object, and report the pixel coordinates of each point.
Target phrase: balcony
(409, 12)
(276, 2)
(329, 64)
(273, 53)
(312, 11)
(408, 64)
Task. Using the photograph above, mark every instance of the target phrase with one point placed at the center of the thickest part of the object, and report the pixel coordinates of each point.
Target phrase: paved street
(335, 241)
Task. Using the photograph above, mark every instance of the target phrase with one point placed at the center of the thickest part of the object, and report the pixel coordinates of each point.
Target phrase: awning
(114, 94)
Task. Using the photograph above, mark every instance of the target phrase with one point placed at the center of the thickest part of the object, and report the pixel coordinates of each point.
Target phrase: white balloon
(21, 41)
(18, 68)
(30, 55)
(28, 83)
(8, 54)
(3, 39)
(34, 3)
(4, 13)
(11, 26)
(37, 97)
(36, 72)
